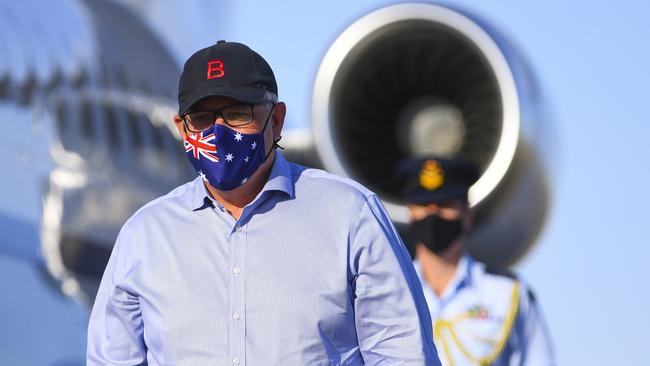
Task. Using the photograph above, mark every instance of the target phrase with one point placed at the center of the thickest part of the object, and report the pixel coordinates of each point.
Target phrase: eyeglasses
(234, 116)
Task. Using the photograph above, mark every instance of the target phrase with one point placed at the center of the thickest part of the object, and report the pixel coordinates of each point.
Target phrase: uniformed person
(481, 316)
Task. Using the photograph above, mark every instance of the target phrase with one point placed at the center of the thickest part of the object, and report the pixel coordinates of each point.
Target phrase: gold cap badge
(431, 175)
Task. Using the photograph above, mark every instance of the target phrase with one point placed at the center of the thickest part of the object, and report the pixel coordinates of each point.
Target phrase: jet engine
(414, 79)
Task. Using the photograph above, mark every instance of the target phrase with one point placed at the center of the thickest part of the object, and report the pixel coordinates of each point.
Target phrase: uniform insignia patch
(431, 176)
(478, 312)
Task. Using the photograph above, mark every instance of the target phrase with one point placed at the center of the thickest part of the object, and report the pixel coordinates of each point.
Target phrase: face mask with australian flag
(223, 157)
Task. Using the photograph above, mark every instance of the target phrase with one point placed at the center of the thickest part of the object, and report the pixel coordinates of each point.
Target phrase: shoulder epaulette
(501, 272)
(531, 294)
(510, 274)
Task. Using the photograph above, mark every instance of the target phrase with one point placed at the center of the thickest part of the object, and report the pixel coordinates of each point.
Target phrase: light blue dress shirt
(313, 273)
(473, 313)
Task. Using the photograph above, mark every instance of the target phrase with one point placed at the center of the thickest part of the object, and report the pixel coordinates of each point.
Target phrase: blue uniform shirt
(485, 318)
(313, 273)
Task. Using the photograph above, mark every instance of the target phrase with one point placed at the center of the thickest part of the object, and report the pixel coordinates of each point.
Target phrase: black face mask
(436, 233)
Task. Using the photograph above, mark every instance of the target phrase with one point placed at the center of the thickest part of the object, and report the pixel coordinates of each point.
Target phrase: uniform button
(238, 228)
(236, 270)
(235, 315)
(235, 360)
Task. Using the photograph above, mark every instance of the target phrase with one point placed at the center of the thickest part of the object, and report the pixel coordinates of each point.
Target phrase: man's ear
(277, 119)
(180, 126)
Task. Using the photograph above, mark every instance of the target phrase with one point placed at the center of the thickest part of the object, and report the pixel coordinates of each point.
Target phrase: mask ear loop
(275, 143)
(187, 130)
(264, 129)
(268, 118)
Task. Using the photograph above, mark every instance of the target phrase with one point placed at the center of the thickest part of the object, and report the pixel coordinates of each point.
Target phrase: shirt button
(236, 270)
(238, 228)
(235, 315)
(235, 360)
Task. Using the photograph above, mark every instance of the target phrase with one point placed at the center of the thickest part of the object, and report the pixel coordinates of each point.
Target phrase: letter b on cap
(215, 69)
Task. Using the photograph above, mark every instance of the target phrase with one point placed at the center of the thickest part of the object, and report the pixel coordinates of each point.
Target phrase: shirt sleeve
(538, 348)
(115, 330)
(392, 320)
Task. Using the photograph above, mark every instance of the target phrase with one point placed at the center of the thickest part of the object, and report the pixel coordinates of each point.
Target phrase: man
(258, 261)
(481, 316)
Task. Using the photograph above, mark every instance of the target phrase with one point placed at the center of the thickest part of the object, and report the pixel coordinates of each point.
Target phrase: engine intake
(415, 79)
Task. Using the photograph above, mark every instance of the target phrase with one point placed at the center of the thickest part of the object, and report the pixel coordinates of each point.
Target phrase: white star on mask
(238, 136)
(254, 145)
(203, 176)
(229, 157)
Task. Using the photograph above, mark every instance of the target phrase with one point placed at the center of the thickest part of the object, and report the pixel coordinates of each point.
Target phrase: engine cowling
(414, 79)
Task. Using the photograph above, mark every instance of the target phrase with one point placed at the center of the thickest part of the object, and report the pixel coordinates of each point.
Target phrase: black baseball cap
(227, 69)
(432, 179)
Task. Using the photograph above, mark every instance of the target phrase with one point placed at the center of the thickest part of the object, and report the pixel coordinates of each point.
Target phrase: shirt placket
(237, 282)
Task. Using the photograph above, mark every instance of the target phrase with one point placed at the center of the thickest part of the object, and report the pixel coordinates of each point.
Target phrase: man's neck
(236, 199)
(439, 269)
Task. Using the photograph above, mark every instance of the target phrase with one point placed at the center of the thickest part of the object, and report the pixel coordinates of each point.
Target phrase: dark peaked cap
(431, 179)
(227, 69)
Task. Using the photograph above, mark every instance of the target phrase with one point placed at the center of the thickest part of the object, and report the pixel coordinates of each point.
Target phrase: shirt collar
(462, 277)
(280, 179)
(201, 199)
